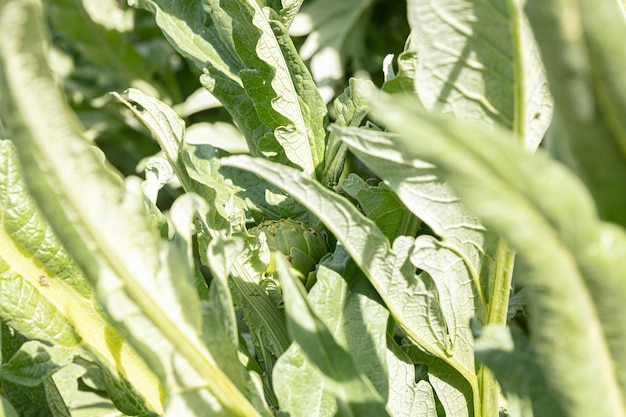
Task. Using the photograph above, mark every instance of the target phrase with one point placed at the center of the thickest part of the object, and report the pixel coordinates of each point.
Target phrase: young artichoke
(303, 246)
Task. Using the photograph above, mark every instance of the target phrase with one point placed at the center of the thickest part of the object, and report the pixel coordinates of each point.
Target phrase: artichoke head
(303, 246)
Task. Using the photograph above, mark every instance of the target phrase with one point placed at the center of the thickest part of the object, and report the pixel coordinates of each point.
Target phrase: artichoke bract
(304, 246)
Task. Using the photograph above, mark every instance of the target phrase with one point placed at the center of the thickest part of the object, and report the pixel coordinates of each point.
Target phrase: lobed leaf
(413, 397)
(354, 393)
(574, 295)
(44, 294)
(459, 262)
(36, 361)
(345, 302)
(412, 302)
(252, 67)
(196, 168)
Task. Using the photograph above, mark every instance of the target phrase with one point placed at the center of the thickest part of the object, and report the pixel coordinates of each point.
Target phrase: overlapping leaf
(103, 224)
(344, 301)
(411, 301)
(252, 67)
(196, 168)
(353, 392)
(573, 276)
(45, 296)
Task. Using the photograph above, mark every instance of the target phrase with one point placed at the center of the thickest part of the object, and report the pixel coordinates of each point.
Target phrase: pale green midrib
(26, 77)
(497, 310)
(370, 272)
(229, 396)
(501, 288)
(282, 67)
(84, 317)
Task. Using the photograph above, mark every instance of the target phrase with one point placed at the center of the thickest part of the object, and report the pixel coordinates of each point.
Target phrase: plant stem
(496, 314)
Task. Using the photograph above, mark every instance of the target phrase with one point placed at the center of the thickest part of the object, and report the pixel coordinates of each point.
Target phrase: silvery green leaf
(344, 301)
(197, 169)
(252, 67)
(411, 397)
(104, 226)
(389, 270)
(576, 265)
(36, 361)
(583, 54)
(354, 393)
(479, 60)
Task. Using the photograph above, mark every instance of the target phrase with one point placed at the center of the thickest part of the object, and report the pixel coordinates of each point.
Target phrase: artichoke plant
(302, 245)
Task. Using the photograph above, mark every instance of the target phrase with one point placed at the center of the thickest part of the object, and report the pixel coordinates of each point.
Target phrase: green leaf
(412, 302)
(354, 392)
(27, 401)
(459, 239)
(104, 226)
(380, 204)
(36, 361)
(575, 288)
(348, 306)
(582, 50)
(351, 107)
(287, 10)
(478, 60)
(6, 409)
(24, 227)
(402, 80)
(279, 84)
(415, 398)
(196, 168)
(252, 67)
(44, 294)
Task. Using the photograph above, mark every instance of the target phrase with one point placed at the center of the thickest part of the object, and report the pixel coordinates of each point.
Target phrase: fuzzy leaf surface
(355, 394)
(104, 226)
(575, 287)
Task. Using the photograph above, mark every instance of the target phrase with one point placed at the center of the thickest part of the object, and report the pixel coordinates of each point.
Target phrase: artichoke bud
(303, 246)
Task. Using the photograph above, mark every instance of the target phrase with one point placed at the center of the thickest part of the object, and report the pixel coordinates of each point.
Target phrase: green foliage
(416, 248)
